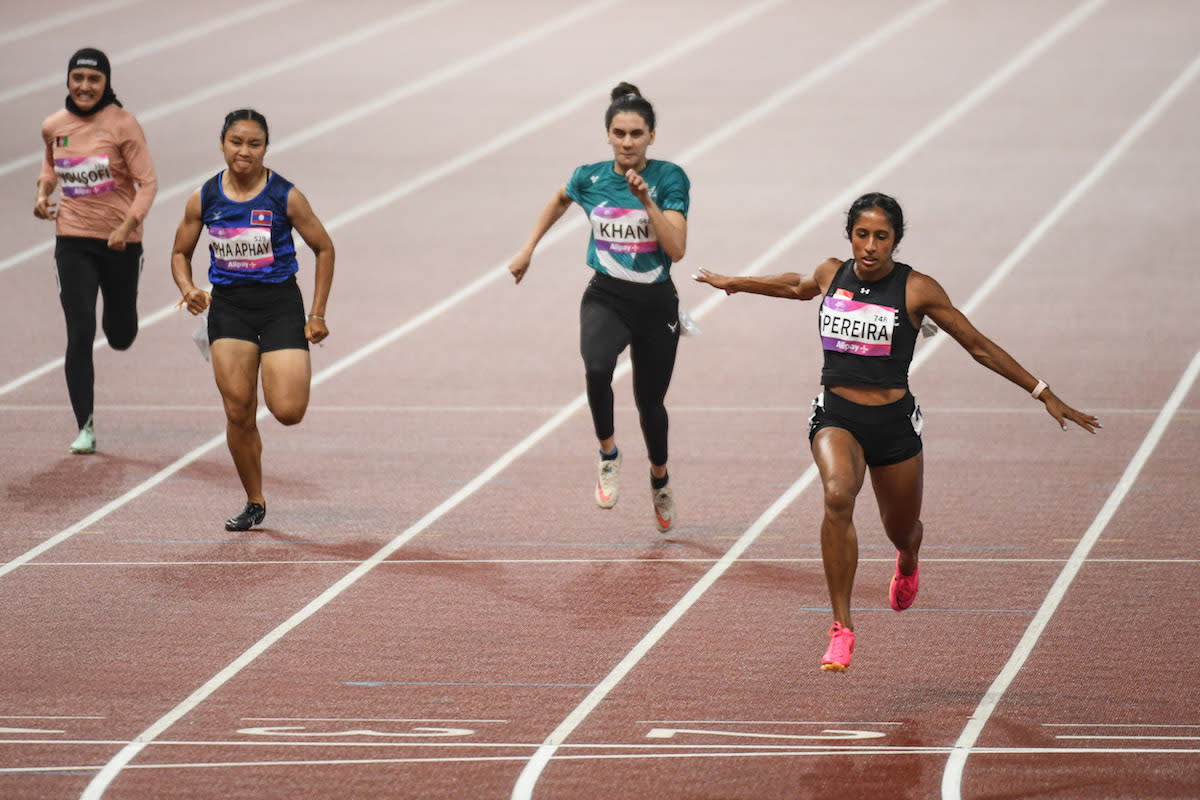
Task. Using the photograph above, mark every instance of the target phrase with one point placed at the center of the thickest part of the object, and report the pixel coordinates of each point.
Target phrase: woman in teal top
(637, 208)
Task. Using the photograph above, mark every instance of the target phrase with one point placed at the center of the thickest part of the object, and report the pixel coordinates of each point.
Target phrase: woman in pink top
(96, 155)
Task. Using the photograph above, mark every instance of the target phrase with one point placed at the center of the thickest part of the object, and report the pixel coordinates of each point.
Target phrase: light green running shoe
(85, 442)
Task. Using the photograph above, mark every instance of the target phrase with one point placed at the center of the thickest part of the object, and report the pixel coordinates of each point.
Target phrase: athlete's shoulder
(669, 177)
(827, 271)
(121, 122)
(592, 172)
(282, 181)
(666, 167)
(56, 120)
(279, 186)
(673, 168)
(921, 288)
(210, 190)
(588, 178)
(912, 276)
(114, 112)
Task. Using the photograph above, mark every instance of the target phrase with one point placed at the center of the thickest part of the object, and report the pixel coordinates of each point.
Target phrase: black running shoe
(251, 515)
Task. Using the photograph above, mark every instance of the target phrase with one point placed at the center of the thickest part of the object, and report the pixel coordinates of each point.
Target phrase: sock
(609, 456)
(658, 483)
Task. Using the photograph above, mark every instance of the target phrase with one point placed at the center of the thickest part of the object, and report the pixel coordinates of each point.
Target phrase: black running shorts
(269, 314)
(888, 434)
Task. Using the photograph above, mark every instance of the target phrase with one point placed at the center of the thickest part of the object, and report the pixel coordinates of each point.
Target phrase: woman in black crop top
(866, 420)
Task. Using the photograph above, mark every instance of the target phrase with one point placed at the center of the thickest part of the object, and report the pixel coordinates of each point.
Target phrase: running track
(436, 608)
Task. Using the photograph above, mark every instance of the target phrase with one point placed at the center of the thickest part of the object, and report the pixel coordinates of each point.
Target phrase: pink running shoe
(904, 587)
(841, 646)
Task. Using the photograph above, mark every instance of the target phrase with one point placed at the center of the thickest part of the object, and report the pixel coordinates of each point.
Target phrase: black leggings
(86, 267)
(616, 314)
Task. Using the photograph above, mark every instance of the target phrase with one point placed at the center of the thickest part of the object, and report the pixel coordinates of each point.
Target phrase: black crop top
(865, 330)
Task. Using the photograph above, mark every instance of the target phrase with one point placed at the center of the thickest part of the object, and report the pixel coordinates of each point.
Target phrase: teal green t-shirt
(623, 244)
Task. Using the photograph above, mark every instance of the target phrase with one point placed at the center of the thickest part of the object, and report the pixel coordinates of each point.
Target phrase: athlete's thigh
(603, 334)
(235, 366)
(899, 489)
(78, 274)
(120, 272)
(840, 460)
(653, 357)
(286, 380)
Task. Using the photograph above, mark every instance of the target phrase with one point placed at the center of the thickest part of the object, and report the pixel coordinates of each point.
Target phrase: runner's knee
(291, 415)
(840, 496)
(120, 338)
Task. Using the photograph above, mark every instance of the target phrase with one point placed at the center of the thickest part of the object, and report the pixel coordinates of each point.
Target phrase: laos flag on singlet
(623, 244)
(251, 241)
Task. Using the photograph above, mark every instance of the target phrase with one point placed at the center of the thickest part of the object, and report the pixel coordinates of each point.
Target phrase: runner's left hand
(315, 330)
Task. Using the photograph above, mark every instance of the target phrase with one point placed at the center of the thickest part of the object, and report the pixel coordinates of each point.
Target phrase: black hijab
(92, 58)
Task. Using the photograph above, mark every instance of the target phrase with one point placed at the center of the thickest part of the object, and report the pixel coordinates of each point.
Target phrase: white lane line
(232, 85)
(523, 790)
(330, 123)
(453, 501)
(96, 788)
(1132, 737)
(51, 716)
(448, 167)
(299, 59)
(697, 40)
(100, 782)
(59, 20)
(449, 561)
(156, 45)
(335, 121)
(1119, 725)
(783, 410)
(964, 746)
(952, 777)
(376, 719)
(626, 752)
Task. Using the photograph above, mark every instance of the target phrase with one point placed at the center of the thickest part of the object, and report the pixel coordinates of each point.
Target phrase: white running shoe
(664, 508)
(608, 482)
(85, 442)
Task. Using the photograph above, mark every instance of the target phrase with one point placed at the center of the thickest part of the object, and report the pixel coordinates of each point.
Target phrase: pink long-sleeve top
(102, 164)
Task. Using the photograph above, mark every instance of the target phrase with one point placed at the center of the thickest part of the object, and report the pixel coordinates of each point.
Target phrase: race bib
(861, 329)
(623, 230)
(241, 249)
(83, 176)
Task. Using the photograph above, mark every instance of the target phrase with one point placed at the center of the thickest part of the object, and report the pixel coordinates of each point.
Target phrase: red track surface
(478, 596)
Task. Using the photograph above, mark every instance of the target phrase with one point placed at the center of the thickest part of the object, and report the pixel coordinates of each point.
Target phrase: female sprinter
(97, 152)
(638, 211)
(866, 420)
(256, 317)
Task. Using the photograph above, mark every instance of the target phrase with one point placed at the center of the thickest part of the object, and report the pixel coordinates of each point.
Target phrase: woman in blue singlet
(637, 208)
(256, 319)
(866, 420)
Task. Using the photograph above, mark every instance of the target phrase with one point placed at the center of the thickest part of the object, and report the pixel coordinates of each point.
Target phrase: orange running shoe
(904, 587)
(841, 647)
